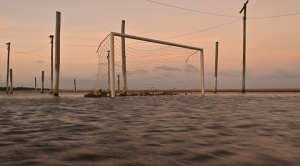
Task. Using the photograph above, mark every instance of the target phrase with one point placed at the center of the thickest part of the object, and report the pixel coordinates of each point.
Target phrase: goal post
(123, 35)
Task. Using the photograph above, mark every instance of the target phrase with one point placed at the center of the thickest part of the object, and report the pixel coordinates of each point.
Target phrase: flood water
(218, 129)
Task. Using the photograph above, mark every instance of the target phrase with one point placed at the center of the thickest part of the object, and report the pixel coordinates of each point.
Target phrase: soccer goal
(170, 68)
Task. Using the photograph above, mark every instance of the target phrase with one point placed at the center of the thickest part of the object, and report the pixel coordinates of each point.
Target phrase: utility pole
(57, 53)
(216, 66)
(244, 45)
(51, 37)
(124, 74)
(7, 74)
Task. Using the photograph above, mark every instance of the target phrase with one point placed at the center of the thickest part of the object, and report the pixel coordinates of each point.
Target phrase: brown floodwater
(218, 129)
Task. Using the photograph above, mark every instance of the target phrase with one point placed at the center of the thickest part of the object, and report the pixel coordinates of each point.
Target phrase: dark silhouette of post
(57, 53)
(51, 37)
(11, 82)
(244, 46)
(216, 66)
(7, 72)
(42, 88)
(118, 82)
(35, 83)
(123, 59)
(74, 84)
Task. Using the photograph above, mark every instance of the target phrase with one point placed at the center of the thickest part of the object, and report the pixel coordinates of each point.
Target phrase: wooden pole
(7, 74)
(216, 66)
(108, 70)
(35, 83)
(74, 84)
(123, 59)
(42, 89)
(202, 72)
(118, 82)
(112, 65)
(11, 82)
(51, 88)
(244, 46)
(57, 53)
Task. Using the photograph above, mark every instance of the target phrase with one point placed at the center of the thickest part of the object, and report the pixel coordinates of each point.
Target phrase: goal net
(170, 68)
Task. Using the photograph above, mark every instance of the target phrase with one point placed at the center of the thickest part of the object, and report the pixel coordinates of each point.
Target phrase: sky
(273, 43)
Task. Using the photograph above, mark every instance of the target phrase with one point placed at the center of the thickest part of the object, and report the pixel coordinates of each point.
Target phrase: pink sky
(273, 50)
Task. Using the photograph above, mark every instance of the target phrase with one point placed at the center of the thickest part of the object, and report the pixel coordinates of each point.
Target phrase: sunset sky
(273, 43)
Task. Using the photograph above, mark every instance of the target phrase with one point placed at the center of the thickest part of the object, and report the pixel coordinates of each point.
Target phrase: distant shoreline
(290, 90)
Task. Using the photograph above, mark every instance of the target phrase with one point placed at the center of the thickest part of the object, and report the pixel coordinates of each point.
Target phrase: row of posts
(55, 91)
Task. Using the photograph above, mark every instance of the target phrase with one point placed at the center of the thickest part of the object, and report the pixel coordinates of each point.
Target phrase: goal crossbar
(123, 35)
(155, 41)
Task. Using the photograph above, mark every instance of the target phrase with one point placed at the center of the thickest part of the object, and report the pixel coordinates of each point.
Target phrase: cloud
(41, 61)
(167, 68)
(140, 71)
(283, 74)
(231, 74)
(191, 68)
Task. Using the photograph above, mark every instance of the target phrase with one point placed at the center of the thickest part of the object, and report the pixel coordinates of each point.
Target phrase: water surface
(218, 129)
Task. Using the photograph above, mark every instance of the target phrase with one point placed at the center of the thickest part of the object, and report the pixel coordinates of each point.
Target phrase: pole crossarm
(156, 41)
(245, 4)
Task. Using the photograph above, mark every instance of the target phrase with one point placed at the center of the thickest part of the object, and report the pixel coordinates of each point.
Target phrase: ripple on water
(219, 129)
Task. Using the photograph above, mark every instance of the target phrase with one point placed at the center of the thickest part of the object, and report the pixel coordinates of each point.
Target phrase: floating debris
(99, 94)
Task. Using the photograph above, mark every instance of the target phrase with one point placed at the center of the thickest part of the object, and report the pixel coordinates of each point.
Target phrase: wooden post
(108, 70)
(244, 46)
(74, 84)
(123, 59)
(118, 82)
(216, 66)
(42, 88)
(57, 53)
(7, 74)
(51, 88)
(11, 82)
(112, 65)
(35, 83)
(202, 72)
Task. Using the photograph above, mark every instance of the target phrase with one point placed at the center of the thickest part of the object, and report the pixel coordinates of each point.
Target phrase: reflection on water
(221, 129)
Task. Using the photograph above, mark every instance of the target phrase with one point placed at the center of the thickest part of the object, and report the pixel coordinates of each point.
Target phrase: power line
(75, 45)
(284, 15)
(191, 33)
(25, 53)
(202, 30)
(32, 50)
(191, 10)
(222, 15)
